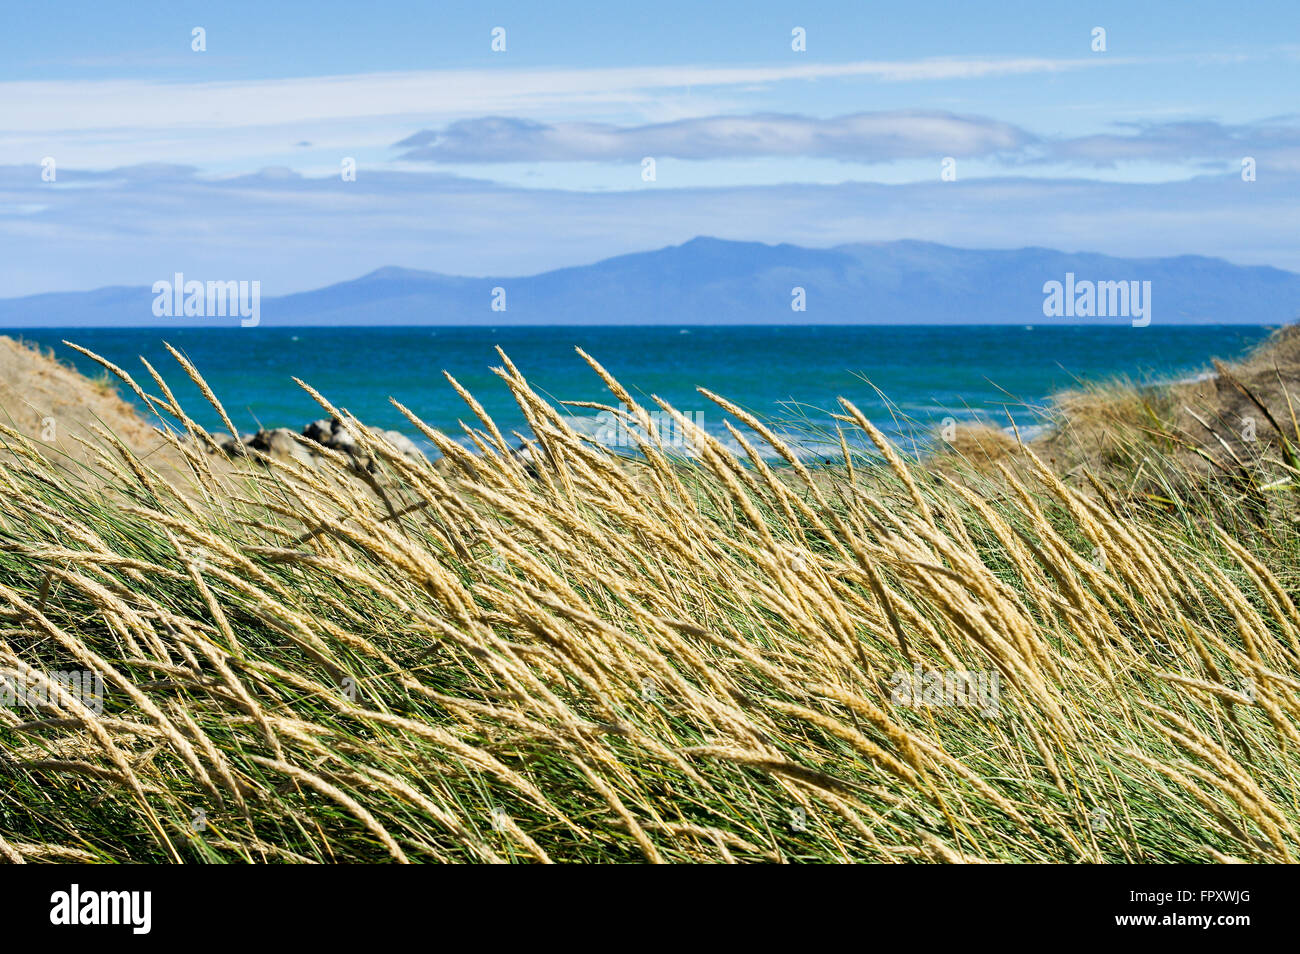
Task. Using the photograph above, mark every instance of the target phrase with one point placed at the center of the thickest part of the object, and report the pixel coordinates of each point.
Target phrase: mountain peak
(396, 273)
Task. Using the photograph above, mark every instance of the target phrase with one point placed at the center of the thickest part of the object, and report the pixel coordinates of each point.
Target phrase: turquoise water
(926, 373)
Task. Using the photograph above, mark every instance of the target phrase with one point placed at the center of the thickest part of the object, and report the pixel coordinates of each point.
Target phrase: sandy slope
(54, 405)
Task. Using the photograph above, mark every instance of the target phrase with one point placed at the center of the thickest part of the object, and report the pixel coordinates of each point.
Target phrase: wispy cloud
(1274, 141)
(52, 106)
(861, 137)
(865, 137)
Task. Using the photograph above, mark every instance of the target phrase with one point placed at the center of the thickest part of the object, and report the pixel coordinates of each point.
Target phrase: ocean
(791, 374)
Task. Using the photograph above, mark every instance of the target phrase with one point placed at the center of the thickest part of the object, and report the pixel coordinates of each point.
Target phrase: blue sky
(226, 162)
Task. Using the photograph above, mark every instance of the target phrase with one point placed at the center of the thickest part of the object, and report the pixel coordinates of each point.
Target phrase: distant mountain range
(712, 281)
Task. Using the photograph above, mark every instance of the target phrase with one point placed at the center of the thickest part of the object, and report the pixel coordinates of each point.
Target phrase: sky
(128, 153)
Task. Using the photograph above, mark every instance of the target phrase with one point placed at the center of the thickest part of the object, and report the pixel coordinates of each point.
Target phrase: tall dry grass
(582, 657)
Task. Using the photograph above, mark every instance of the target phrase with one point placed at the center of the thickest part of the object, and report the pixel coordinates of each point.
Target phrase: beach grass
(572, 655)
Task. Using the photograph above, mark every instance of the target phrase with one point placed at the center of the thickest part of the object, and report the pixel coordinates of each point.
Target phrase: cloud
(219, 124)
(233, 125)
(865, 137)
(862, 137)
(49, 106)
(1275, 142)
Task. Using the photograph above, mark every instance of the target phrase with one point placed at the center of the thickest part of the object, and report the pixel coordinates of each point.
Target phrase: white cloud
(863, 137)
(106, 123)
(1275, 143)
(55, 105)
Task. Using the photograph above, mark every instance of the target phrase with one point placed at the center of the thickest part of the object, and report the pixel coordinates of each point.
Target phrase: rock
(322, 431)
(282, 443)
(333, 434)
(345, 441)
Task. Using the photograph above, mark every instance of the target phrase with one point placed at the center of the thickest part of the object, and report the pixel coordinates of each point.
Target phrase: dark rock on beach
(284, 444)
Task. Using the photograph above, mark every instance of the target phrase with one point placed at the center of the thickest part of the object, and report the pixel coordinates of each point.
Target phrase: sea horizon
(908, 379)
